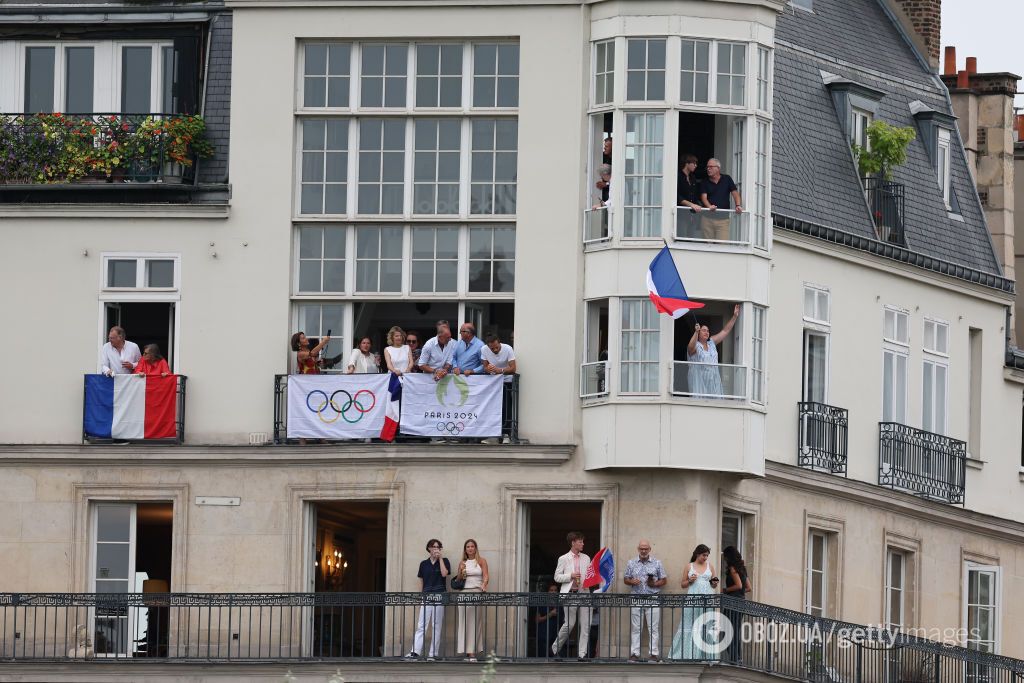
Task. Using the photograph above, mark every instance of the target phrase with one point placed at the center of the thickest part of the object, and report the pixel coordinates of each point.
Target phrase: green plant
(886, 149)
(490, 669)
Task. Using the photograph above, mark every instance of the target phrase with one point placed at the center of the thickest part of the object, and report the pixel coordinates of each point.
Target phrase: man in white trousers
(433, 576)
(645, 576)
(569, 573)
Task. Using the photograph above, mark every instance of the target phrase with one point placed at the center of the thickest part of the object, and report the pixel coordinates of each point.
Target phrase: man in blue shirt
(433, 576)
(467, 352)
(716, 191)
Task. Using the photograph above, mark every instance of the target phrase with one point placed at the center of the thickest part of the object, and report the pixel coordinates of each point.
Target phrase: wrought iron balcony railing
(94, 431)
(886, 201)
(516, 627)
(509, 414)
(929, 465)
(823, 438)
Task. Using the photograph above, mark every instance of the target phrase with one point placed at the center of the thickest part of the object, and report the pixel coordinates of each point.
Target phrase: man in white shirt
(498, 358)
(118, 356)
(436, 357)
(571, 569)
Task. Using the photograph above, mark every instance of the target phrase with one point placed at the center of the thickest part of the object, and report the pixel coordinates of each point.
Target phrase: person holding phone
(307, 359)
(699, 578)
(645, 576)
(433, 576)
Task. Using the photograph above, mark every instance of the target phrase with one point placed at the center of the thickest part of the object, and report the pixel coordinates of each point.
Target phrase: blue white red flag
(391, 408)
(130, 406)
(666, 287)
(601, 571)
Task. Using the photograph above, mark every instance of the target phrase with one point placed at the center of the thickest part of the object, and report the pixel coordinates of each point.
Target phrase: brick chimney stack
(922, 20)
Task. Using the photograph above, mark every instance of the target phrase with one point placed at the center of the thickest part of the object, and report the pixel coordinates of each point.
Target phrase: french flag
(391, 409)
(601, 571)
(130, 406)
(666, 287)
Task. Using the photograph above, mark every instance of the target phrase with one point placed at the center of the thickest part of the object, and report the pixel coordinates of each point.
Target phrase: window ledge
(114, 210)
(641, 399)
(974, 463)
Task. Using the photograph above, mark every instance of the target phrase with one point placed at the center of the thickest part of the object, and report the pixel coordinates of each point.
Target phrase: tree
(886, 149)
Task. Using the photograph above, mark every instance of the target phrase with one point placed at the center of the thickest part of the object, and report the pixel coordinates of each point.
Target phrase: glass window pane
(422, 276)
(373, 60)
(447, 242)
(168, 76)
(316, 60)
(309, 276)
(113, 522)
(391, 242)
(479, 276)
(79, 84)
(485, 59)
(334, 242)
(334, 277)
(366, 276)
(390, 276)
(136, 79)
(112, 560)
(161, 273)
(313, 134)
(480, 243)
(337, 92)
(394, 92)
(121, 273)
(446, 276)
(396, 59)
(312, 200)
(313, 91)
(339, 59)
(484, 92)
(39, 79)
(310, 239)
(423, 243)
(505, 278)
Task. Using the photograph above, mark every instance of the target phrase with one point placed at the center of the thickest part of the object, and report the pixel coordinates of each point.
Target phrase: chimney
(972, 65)
(962, 79)
(922, 20)
(949, 66)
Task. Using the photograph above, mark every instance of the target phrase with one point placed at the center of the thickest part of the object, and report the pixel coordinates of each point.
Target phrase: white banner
(455, 406)
(336, 406)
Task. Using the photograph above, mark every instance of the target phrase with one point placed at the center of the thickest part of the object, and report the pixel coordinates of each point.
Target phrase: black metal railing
(52, 148)
(886, 201)
(930, 465)
(823, 437)
(509, 414)
(181, 382)
(515, 627)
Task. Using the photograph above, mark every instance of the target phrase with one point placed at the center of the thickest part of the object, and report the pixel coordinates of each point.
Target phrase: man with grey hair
(437, 354)
(118, 356)
(715, 193)
(645, 576)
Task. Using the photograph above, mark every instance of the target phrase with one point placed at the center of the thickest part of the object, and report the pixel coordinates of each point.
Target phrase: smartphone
(328, 332)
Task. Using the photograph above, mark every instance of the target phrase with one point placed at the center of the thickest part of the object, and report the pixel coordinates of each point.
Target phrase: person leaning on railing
(152, 363)
(702, 352)
(715, 192)
(118, 356)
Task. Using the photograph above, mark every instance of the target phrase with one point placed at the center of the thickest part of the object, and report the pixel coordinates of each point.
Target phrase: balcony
(107, 157)
(369, 629)
(509, 416)
(154, 415)
(885, 199)
(709, 380)
(823, 437)
(929, 465)
(712, 226)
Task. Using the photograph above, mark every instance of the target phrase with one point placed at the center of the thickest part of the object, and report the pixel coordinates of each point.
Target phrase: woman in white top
(473, 570)
(397, 354)
(361, 361)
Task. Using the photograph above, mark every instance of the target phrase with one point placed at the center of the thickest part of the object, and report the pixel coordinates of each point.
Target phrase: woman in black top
(737, 584)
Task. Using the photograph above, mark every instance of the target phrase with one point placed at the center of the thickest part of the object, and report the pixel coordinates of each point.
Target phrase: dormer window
(856, 106)
(942, 157)
(860, 120)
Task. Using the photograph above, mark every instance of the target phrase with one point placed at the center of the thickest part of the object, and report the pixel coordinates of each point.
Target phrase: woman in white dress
(473, 570)
(697, 580)
(397, 354)
(702, 352)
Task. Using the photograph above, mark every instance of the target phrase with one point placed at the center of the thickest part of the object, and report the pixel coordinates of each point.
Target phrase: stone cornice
(903, 504)
(284, 456)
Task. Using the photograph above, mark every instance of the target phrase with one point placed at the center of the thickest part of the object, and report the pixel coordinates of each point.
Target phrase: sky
(989, 30)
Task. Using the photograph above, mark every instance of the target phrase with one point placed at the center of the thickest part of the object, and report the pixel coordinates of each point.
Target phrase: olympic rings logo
(451, 427)
(328, 405)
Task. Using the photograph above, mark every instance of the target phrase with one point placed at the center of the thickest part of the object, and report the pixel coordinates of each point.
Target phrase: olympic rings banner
(336, 406)
(455, 406)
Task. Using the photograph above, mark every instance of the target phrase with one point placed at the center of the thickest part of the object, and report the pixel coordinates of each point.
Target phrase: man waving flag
(666, 287)
(601, 571)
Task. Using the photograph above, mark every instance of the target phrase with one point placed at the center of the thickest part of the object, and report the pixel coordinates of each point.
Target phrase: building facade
(397, 163)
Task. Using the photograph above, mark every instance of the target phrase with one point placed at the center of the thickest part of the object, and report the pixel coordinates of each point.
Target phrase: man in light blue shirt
(467, 352)
(436, 357)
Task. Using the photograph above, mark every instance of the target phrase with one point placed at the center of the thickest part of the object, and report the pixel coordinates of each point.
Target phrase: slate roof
(814, 176)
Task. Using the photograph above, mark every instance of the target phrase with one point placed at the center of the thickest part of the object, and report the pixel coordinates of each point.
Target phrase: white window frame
(471, 61)
(709, 74)
(764, 79)
(434, 259)
(819, 608)
(758, 355)
(943, 154)
(156, 77)
(732, 75)
(996, 571)
(931, 337)
(438, 78)
(896, 313)
(821, 298)
(351, 188)
(384, 76)
(141, 271)
(762, 177)
(935, 421)
(93, 579)
(379, 259)
(348, 262)
(824, 334)
(353, 56)
(646, 70)
(493, 181)
(604, 73)
(895, 592)
(860, 119)
(644, 144)
(380, 151)
(436, 151)
(624, 388)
